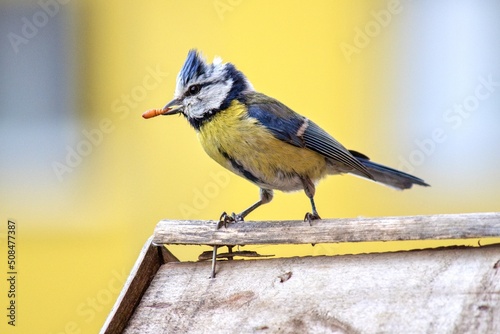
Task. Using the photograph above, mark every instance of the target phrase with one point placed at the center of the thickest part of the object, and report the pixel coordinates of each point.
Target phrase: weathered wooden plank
(431, 291)
(142, 273)
(434, 227)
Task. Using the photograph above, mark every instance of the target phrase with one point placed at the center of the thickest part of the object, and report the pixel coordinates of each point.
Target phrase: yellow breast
(275, 163)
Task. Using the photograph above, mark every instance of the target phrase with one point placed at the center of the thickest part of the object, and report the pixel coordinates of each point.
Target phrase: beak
(173, 107)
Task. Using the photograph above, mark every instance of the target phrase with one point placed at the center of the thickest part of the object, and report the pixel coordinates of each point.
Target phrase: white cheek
(214, 95)
(211, 97)
(194, 108)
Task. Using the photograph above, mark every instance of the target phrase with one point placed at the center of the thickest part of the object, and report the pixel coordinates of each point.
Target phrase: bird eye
(193, 90)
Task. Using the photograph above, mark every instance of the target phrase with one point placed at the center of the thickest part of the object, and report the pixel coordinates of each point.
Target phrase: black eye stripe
(195, 89)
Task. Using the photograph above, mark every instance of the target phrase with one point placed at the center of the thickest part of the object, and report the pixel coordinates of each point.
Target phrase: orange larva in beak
(155, 112)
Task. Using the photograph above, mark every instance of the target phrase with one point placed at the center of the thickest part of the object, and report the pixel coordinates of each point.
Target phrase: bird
(261, 139)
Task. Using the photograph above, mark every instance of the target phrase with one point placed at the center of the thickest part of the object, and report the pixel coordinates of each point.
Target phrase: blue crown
(194, 67)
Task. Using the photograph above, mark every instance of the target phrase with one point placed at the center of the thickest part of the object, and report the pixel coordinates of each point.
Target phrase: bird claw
(226, 219)
(309, 217)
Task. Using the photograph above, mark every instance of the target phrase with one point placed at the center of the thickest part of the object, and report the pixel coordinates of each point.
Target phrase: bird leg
(309, 217)
(310, 190)
(266, 195)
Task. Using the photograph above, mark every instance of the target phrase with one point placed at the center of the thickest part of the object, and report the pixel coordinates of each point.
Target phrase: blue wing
(287, 125)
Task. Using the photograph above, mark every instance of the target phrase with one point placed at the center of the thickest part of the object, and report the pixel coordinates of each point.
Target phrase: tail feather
(386, 175)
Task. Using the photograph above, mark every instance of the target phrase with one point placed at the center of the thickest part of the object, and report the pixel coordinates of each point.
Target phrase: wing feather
(290, 127)
(320, 141)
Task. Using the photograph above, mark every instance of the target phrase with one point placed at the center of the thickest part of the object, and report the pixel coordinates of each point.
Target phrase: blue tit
(262, 140)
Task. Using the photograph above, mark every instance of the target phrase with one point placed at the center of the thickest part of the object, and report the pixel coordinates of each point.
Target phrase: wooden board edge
(361, 229)
(149, 261)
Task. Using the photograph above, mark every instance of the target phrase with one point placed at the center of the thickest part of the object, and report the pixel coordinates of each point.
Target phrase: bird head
(203, 89)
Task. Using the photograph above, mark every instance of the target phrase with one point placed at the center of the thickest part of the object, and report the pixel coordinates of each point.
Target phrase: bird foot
(309, 217)
(226, 219)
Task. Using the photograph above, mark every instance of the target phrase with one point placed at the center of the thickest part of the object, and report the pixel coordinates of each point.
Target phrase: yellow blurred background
(86, 178)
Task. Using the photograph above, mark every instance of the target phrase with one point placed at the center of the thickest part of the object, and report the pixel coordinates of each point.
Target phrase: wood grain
(431, 291)
(432, 227)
